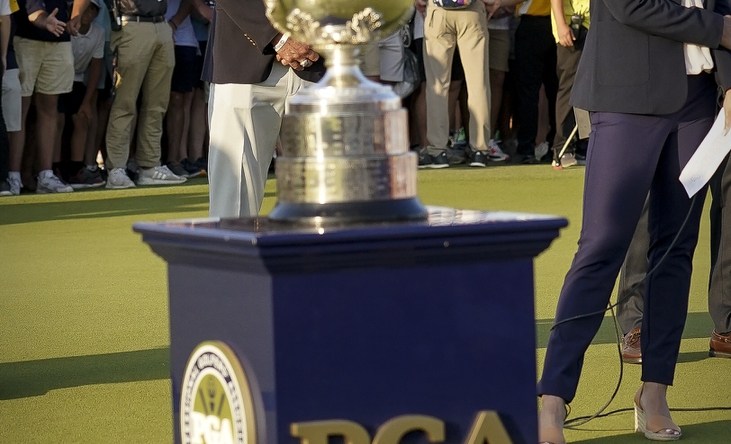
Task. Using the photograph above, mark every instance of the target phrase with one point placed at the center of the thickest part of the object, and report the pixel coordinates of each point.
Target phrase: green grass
(84, 328)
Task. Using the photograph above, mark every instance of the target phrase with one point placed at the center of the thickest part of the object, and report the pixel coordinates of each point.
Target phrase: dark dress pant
(629, 156)
(719, 292)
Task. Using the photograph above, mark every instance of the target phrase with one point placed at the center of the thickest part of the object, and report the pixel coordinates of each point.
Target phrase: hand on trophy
(296, 54)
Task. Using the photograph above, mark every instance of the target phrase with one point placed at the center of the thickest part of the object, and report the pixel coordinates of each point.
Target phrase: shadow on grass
(709, 432)
(697, 325)
(189, 197)
(36, 378)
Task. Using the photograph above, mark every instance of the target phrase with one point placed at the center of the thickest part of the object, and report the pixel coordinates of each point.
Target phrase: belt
(143, 19)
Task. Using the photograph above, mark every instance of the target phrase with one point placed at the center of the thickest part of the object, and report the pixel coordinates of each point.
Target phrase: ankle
(553, 409)
(653, 398)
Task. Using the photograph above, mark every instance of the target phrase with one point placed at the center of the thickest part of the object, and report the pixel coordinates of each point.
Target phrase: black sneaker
(457, 154)
(5, 188)
(528, 159)
(202, 164)
(478, 158)
(191, 168)
(426, 160)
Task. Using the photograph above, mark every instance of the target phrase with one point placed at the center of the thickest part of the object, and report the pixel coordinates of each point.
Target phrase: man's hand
(74, 23)
(52, 24)
(726, 35)
(492, 6)
(85, 113)
(297, 55)
(420, 6)
(49, 22)
(566, 35)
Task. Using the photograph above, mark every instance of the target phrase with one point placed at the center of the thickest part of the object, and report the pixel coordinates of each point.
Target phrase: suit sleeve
(722, 56)
(250, 17)
(670, 20)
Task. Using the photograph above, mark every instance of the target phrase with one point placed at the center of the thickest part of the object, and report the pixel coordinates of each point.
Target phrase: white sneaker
(159, 175)
(118, 179)
(540, 150)
(568, 160)
(494, 152)
(49, 183)
(15, 184)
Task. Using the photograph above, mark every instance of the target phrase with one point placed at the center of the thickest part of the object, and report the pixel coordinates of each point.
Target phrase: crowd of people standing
(145, 122)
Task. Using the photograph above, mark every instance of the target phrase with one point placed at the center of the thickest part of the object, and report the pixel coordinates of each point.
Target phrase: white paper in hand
(707, 158)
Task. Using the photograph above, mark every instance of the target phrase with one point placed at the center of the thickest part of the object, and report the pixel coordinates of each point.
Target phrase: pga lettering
(486, 428)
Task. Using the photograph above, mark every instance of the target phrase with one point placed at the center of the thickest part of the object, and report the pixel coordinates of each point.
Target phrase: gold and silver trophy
(346, 155)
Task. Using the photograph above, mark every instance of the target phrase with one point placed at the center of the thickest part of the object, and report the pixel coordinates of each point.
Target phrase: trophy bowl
(345, 149)
(325, 22)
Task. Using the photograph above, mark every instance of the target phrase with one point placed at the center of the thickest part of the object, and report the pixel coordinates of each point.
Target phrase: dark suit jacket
(240, 49)
(633, 58)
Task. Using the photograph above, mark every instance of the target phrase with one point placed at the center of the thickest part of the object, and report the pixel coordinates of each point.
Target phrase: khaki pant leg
(135, 46)
(155, 96)
(473, 43)
(439, 45)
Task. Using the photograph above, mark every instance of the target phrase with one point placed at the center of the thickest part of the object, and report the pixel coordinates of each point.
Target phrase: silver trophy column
(345, 143)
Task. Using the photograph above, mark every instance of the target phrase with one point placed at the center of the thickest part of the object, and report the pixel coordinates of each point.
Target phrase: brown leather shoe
(720, 345)
(631, 350)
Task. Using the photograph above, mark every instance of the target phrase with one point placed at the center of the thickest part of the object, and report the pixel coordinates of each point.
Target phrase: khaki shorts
(45, 67)
(385, 59)
(12, 110)
(499, 49)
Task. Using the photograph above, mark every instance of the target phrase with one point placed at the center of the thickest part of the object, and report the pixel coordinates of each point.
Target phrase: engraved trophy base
(346, 155)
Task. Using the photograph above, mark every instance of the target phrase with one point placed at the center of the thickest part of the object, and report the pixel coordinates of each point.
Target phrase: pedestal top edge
(262, 231)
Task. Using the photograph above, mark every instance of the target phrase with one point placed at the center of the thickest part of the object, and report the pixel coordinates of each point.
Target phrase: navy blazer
(240, 49)
(633, 59)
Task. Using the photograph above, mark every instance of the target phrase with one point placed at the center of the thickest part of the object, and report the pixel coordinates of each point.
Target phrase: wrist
(173, 25)
(281, 42)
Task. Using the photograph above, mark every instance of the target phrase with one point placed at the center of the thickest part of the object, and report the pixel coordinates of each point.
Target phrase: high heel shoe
(550, 433)
(654, 427)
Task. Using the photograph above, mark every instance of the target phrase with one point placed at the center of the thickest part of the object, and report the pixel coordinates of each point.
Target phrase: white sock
(45, 173)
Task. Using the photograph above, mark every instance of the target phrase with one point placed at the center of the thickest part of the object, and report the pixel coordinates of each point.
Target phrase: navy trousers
(630, 155)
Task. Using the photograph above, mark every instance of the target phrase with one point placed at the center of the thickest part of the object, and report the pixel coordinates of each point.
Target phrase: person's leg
(177, 118)
(472, 40)
(198, 125)
(439, 50)
(567, 61)
(499, 54)
(528, 73)
(719, 293)
(614, 194)
(613, 199)
(155, 96)
(245, 121)
(668, 285)
(4, 153)
(133, 46)
(673, 223)
(46, 128)
(29, 55)
(631, 289)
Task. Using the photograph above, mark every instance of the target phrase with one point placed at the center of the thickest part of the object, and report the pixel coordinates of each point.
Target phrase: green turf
(84, 329)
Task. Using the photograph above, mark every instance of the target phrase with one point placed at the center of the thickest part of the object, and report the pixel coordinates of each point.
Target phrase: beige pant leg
(244, 126)
(155, 97)
(439, 45)
(473, 42)
(135, 45)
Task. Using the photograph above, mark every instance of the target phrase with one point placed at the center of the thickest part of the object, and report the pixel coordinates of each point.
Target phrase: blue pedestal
(364, 323)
